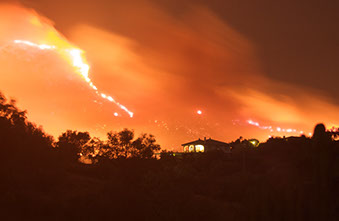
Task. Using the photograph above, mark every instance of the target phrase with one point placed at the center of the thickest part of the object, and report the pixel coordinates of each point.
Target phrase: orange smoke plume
(51, 39)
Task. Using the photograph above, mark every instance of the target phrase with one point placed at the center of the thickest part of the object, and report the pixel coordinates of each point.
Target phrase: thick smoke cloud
(163, 67)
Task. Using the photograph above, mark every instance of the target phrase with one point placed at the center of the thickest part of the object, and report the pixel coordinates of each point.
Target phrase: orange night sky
(166, 62)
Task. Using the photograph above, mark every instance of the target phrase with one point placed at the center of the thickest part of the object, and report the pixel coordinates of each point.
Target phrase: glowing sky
(186, 70)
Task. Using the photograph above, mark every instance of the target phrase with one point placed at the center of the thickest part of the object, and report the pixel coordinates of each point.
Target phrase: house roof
(205, 142)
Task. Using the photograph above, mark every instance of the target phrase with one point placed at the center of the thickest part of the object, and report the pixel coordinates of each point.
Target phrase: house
(206, 145)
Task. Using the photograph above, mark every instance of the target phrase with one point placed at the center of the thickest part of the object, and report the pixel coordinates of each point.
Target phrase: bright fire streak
(272, 129)
(78, 62)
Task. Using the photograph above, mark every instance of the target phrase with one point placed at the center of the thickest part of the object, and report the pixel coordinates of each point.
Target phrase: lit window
(199, 148)
(191, 148)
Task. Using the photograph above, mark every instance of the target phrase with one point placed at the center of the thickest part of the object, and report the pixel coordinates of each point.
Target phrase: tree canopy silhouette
(19, 138)
(71, 143)
(123, 145)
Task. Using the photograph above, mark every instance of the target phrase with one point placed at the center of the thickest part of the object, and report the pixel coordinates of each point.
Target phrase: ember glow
(276, 129)
(78, 61)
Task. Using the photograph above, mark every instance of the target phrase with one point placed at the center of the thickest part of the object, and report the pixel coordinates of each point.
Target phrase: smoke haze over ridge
(163, 64)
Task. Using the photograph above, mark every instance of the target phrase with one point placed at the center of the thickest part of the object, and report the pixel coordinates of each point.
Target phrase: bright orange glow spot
(199, 112)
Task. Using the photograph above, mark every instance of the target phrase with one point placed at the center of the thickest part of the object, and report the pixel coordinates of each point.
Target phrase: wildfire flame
(75, 56)
(275, 129)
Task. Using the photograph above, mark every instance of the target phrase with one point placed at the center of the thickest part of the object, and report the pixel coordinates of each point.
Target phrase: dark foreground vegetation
(282, 179)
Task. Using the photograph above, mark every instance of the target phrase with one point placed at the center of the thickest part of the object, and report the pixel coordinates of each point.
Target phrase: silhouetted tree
(323, 165)
(91, 150)
(122, 142)
(71, 143)
(19, 138)
(145, 146)
(122, 145)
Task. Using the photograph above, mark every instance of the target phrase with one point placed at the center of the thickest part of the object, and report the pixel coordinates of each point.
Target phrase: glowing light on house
(199, 148)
